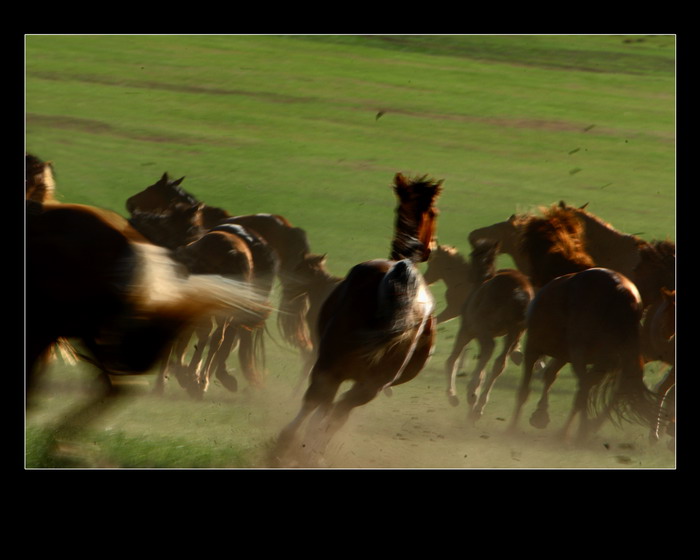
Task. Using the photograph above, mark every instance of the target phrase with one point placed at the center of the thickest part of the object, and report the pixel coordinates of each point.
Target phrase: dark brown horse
(582, 315)
(377, 326)
(230, 251)
(94, 280)
(289, 242)
(495, 308)
(448, 265)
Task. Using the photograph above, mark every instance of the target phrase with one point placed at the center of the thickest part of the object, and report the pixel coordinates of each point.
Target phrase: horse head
(178, 225)
(416, 217)
(159, 196)
(39, 183)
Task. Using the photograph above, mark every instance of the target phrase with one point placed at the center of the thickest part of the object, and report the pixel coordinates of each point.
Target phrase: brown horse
(376, 328)
(606, 246)
(90, 278)
(582, 315)
(304, 293)
(495, 308)
(448, 265)
(233, 252)
(289, 242)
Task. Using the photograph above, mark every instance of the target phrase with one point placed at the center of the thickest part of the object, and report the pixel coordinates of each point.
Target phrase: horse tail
(291, 319)
(624, 396)
(251, 354)
(163, 288)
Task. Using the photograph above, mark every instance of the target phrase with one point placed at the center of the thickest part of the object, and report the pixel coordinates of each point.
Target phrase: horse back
(360, 310)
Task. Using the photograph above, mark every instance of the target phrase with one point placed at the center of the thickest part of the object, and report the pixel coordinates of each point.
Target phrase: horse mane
(554, 245)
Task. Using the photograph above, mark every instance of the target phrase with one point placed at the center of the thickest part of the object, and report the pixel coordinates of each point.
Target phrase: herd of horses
(183, 285)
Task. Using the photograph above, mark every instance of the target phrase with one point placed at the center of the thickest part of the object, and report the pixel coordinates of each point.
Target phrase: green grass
(287, 124)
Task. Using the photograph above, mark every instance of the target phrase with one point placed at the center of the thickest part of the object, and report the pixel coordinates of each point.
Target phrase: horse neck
(406, 243)
(508, 235)
(608, 247)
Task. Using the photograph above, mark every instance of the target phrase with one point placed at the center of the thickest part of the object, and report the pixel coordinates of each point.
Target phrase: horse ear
(163, 179)
(582, 207)
(175, 183)
(400, 180)
(512, 218)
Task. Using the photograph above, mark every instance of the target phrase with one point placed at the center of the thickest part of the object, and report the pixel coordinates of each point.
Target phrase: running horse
(233, 252)
(91, 278)
(289, 242)
(495, 308)
(586, 316)
(376, 328)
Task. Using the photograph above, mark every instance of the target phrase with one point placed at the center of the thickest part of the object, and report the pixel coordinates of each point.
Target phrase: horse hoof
(229, 383)
(388, 391)
(516, 357)
(539, 420)
(453, 399)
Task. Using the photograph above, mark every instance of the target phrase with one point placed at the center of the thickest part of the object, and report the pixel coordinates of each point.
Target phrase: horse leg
(159, 387)
(249, 355)
(662, 390)
(319, 395)
(215, 342)
(586, 380)
(529, 359)
(230, 336)
(360, 393)
(188, 375)
(499, 364)
(540, 418)
(486, 347)
(308, 357)
(452, 363)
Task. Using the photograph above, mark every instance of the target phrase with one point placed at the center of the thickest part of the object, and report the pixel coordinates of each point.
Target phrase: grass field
(314, 128)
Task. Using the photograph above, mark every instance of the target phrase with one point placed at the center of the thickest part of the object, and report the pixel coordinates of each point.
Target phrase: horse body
(376, 328)
(495, 308)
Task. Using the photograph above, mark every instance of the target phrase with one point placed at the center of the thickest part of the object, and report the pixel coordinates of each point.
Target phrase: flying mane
(554, 245)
